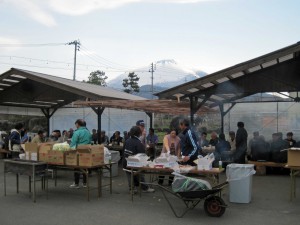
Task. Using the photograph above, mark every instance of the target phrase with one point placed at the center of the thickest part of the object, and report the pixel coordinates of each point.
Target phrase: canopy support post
(98, 111)
(151, 118)
(48, 115)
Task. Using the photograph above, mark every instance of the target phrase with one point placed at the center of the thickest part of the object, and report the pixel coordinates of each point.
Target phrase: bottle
(220, 165)
(109, 158)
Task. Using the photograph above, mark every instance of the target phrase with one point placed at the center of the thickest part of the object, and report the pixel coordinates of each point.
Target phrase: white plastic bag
(237, 171)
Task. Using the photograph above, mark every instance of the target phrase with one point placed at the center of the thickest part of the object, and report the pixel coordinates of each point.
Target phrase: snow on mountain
(167, 73)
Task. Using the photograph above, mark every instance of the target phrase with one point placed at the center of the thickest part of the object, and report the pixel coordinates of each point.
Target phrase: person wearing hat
(141, 125)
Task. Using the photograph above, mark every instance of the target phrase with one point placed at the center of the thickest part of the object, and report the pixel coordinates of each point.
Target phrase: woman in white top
(171, 145)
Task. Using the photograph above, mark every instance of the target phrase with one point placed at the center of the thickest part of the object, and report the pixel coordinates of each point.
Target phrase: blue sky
(121, 35)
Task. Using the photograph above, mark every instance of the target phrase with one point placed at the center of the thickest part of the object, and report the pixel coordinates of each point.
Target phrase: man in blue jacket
(188, 143)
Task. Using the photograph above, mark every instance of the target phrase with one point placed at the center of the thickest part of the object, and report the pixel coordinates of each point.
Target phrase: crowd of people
(182, 143)
(237, 149)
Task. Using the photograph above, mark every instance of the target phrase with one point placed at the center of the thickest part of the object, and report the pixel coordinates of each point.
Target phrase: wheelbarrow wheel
(214, 206)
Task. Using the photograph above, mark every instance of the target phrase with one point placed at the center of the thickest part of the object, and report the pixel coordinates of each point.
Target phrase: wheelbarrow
(214, 205)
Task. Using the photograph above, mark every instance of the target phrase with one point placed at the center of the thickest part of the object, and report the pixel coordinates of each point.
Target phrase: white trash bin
(239, 177)
(115, 157)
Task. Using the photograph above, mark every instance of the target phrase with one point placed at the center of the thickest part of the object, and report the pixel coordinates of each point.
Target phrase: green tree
(131, 83)
(97, 77)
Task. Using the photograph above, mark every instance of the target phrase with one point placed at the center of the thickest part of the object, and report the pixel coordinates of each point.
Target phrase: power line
(109, 62)
(48, 67)
(31, 45)
(34, 59)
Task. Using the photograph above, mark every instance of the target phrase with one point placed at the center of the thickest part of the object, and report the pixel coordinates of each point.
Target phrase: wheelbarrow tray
(214, 205)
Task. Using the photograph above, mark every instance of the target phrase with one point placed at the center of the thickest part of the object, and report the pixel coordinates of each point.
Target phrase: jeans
(77, 177)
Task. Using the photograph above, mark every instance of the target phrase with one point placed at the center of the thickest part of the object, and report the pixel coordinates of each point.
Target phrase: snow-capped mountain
(167, 73)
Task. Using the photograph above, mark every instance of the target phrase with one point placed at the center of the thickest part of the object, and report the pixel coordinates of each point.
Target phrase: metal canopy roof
(24, 88)
(278, 71)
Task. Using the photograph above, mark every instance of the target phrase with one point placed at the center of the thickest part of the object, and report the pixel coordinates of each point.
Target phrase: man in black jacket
(133, 146)
(241, 143)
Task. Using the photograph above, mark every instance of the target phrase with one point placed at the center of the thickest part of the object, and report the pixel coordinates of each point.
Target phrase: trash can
(115, 157)
(239, 177)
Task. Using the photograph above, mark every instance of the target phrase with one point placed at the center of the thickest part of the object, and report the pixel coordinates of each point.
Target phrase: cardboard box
(293, 157)
(31, 151)
(56, 157)
(71, 158)
(90, 155)
(44, 148)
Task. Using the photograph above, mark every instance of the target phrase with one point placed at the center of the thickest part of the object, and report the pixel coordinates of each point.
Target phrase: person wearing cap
(290, 140)
(142, 137)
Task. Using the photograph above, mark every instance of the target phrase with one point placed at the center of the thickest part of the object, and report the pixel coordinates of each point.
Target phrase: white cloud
(40, 10)
(11, 43)
(80, 7)
(34, 9)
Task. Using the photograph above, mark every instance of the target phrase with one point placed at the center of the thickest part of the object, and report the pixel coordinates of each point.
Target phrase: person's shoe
(74, 186)
(84, 185)
(149, 190)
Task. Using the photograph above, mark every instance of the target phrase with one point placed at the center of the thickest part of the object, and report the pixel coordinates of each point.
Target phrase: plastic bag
(185, 184)
(237, 171)
(61, 147)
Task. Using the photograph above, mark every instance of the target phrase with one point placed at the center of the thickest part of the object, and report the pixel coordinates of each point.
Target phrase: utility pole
(152, 71)
(77, 47)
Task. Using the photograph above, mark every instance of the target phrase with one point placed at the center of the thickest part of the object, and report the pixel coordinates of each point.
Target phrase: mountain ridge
(167, 73)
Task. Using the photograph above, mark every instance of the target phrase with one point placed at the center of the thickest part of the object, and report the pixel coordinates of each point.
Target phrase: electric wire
(31, 45)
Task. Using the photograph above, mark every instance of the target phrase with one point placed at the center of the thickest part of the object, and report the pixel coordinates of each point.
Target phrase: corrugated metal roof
(27, 88)
(273, 72)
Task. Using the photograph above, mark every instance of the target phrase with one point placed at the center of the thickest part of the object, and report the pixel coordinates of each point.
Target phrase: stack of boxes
(84, 155)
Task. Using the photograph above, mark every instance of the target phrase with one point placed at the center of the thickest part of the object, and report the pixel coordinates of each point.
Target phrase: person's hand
(185, 158)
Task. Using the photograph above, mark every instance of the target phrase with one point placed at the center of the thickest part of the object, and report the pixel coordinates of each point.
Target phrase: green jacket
(81, 136)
